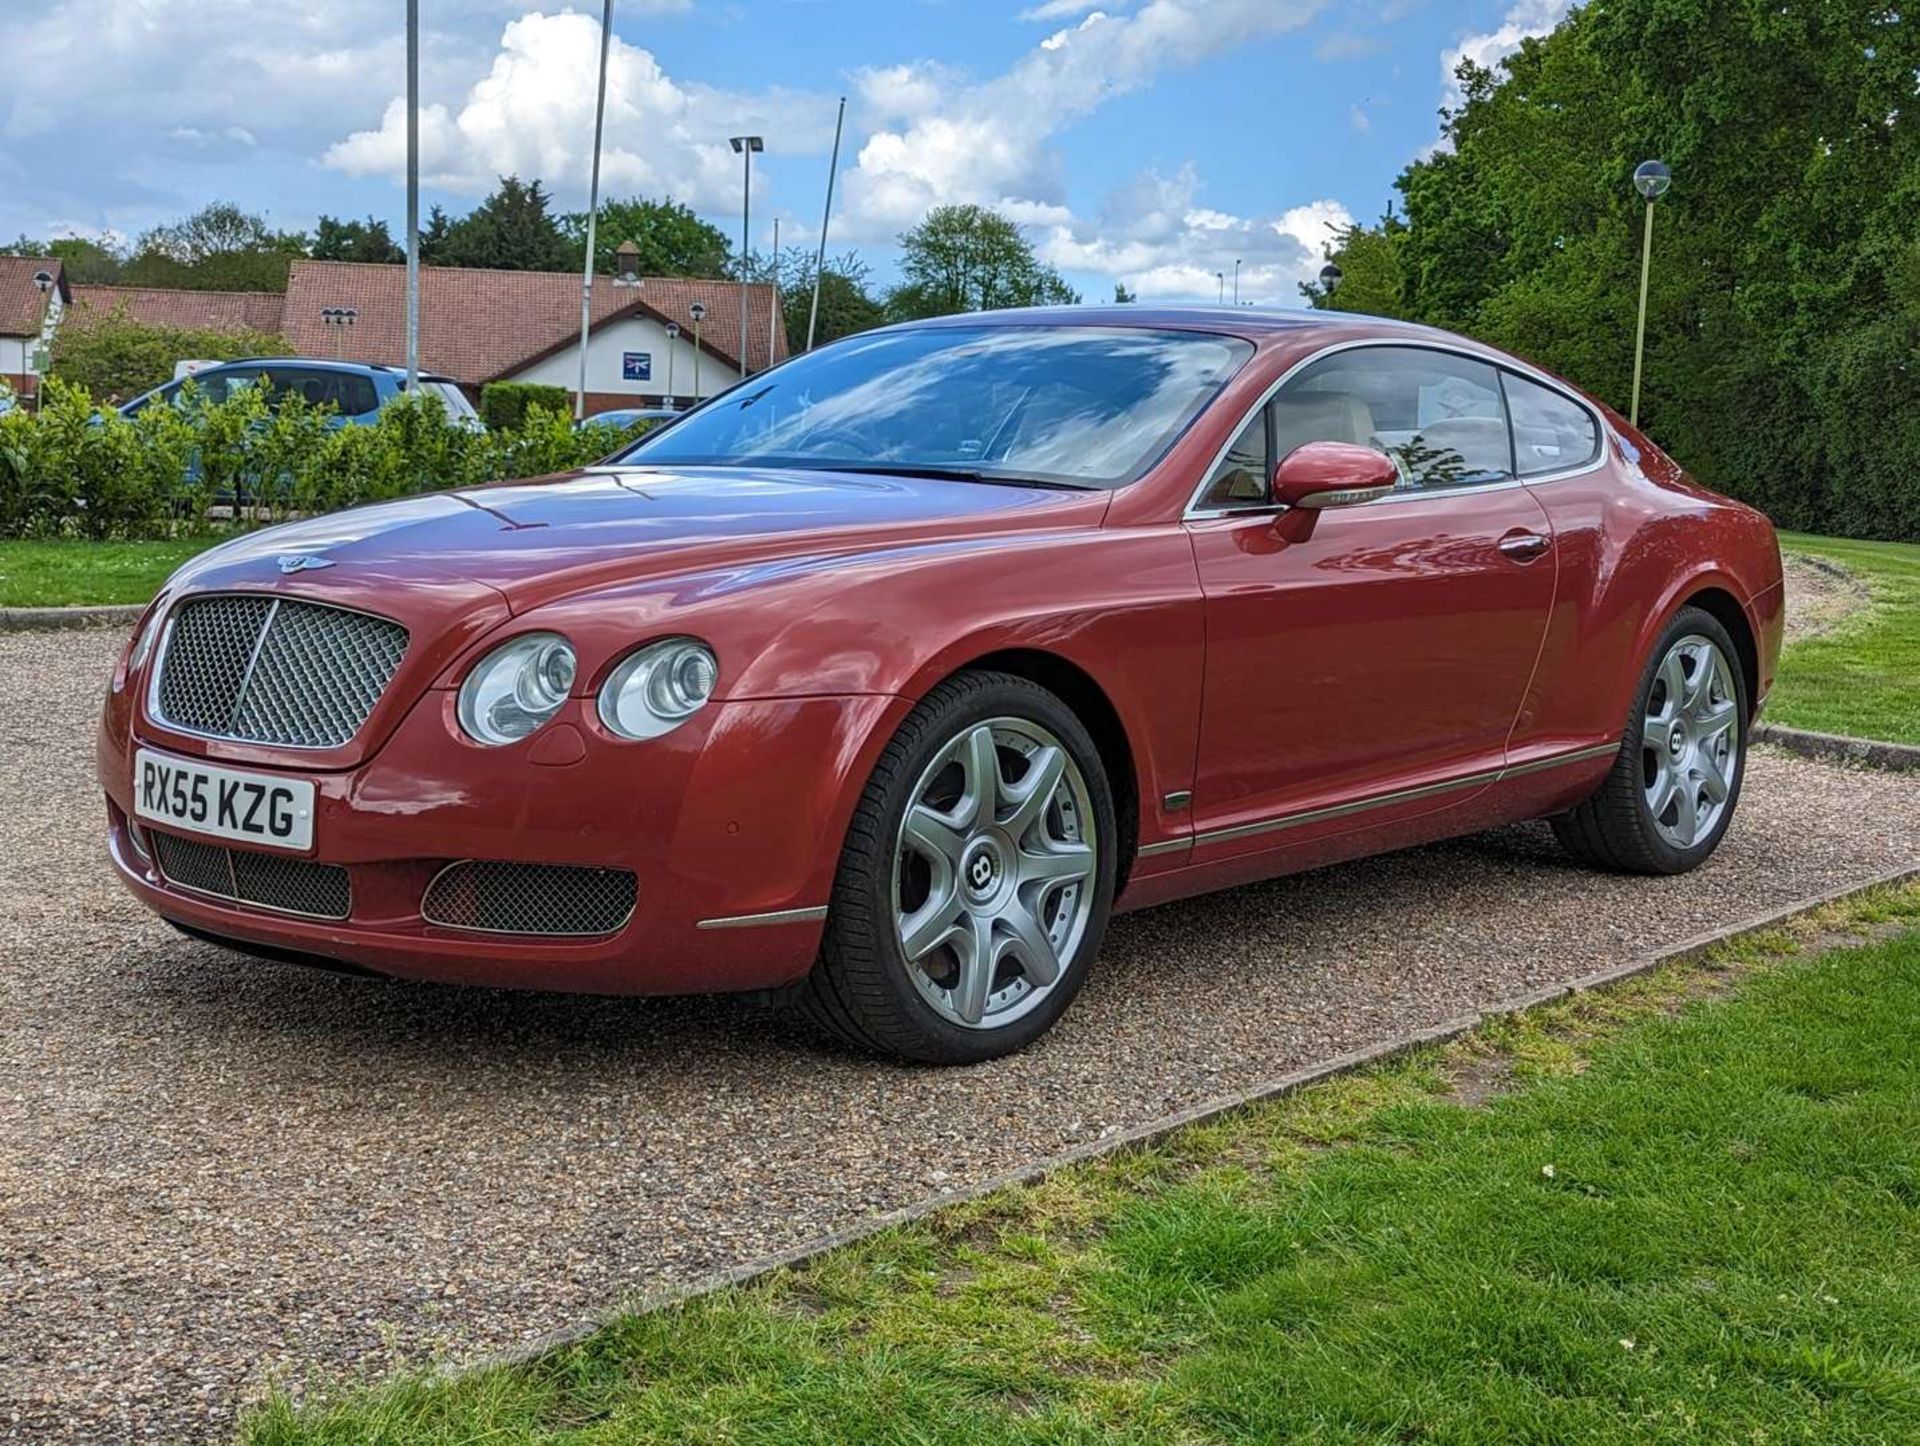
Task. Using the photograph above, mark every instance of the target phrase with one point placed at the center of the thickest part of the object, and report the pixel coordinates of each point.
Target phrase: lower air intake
(264, 881)
(552, 899)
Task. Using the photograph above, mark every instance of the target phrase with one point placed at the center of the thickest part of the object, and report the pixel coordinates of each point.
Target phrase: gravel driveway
(215, 1171)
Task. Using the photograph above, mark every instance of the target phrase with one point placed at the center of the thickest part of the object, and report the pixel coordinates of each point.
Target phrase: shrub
(76, 471)
(503, 405)
(115, 358)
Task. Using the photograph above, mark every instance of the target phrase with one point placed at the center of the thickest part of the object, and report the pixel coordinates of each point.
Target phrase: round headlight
(516, 688)
(658, 688)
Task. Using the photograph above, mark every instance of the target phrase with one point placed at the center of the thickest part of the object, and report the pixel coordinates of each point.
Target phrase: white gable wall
(672, 361)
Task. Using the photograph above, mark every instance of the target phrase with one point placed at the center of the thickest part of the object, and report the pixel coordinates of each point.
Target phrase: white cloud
(1059, 10)
(1154, 237)
(532, 114)
(945, 140)
(1526, 19)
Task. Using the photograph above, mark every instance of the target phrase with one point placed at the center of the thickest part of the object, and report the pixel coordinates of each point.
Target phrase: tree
(512, 230)
(116, 358)
(847, 306)
(1371, 277)
(87, 262)
(367, 240)
(217, 248)
(1785, 305)
(433, 236)
(1122, 296)
(968, 258)
(673, 241)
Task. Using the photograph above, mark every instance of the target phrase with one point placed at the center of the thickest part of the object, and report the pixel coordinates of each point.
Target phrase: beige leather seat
(1303, 417)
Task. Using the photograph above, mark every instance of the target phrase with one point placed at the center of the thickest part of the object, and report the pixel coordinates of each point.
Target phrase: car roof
(328, 364)
(1255, 323)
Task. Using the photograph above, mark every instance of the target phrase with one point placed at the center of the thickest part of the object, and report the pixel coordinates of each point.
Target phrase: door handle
(1523, 546)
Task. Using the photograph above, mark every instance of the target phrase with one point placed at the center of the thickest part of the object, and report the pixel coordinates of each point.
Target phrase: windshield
(458, 408)
(1073, 406)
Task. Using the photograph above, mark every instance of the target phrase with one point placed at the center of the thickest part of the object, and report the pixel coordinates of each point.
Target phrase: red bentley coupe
(881, 680)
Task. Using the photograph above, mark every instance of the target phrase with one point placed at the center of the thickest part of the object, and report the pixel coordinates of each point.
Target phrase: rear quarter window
(1551, 433)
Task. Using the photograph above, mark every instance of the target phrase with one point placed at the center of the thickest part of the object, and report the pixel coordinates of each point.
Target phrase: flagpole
(593, 212)
(820, 258)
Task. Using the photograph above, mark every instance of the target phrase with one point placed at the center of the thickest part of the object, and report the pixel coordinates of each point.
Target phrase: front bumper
(734, 817)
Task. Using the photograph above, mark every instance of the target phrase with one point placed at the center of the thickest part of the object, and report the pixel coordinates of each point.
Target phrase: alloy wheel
(994, 872)
(1690, 741)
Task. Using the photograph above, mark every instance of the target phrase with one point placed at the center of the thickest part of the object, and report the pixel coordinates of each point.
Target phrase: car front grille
(265, 881)
(509, 898)
(274, 670)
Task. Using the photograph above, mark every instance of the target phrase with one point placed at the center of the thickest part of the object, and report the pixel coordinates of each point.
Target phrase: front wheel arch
(1077, 688)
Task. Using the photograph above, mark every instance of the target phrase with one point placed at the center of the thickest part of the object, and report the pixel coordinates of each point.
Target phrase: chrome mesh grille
(275, 670)
(507, 898)
(266, 881)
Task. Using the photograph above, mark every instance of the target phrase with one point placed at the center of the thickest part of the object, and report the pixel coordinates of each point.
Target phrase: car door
(1365, 663)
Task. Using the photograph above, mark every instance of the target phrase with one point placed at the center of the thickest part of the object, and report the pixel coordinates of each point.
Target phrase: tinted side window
(1550, 433)
(1244, 476)
(349, 392)
(1441, 417)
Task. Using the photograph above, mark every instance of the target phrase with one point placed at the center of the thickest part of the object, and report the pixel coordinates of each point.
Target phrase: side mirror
(1333, 474)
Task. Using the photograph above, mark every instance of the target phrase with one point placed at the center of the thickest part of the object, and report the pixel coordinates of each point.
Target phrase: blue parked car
(357, 390)
(624, 417)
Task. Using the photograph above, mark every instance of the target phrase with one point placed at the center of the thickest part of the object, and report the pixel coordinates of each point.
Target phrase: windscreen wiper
(959, 474)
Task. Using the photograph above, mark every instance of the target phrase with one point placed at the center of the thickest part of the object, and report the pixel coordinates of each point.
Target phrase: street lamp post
(746, 147)
(1221, 277)
(1652, 180)
(1236, 281)
(673, 338)
(698, 311)
(1330, 279)
(44, 281)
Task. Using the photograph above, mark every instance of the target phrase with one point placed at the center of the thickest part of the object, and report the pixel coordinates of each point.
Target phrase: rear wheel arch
(1725, 609)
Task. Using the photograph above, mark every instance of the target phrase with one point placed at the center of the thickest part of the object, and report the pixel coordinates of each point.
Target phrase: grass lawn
(70, 573)
(1685, 1210)
(1863, 678)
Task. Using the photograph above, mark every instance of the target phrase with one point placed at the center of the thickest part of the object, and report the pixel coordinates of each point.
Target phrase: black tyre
(976, 880)
(1674, 788)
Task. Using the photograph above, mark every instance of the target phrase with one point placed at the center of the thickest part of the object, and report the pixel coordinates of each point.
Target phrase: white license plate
(255, 808)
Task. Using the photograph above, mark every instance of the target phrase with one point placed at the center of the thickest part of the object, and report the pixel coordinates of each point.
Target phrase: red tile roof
(183, 310)
(477, 326)
(22, 305)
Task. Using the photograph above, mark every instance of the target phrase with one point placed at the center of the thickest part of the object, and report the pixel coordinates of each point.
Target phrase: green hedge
(73, 471)
(504, 405)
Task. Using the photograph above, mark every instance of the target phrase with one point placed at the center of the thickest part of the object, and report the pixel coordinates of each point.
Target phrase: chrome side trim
(1579, 755)
(1195, 512)
(760, 921)
(1164, 848)
(1383, 800)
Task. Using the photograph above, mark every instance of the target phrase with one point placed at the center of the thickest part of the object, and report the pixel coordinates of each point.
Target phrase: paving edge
(1840, 747)
(1442, 1033)
(53, 620)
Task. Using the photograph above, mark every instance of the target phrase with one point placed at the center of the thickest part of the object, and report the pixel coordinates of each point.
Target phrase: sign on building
(636, 366)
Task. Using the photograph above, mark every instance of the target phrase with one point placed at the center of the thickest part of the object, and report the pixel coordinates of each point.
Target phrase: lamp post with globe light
(1652, 180)
(673, 337)
(1330, 279)
(698, 311)
(43, 280)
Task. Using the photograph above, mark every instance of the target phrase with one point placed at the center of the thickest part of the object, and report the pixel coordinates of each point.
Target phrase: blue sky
(1144, 141)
